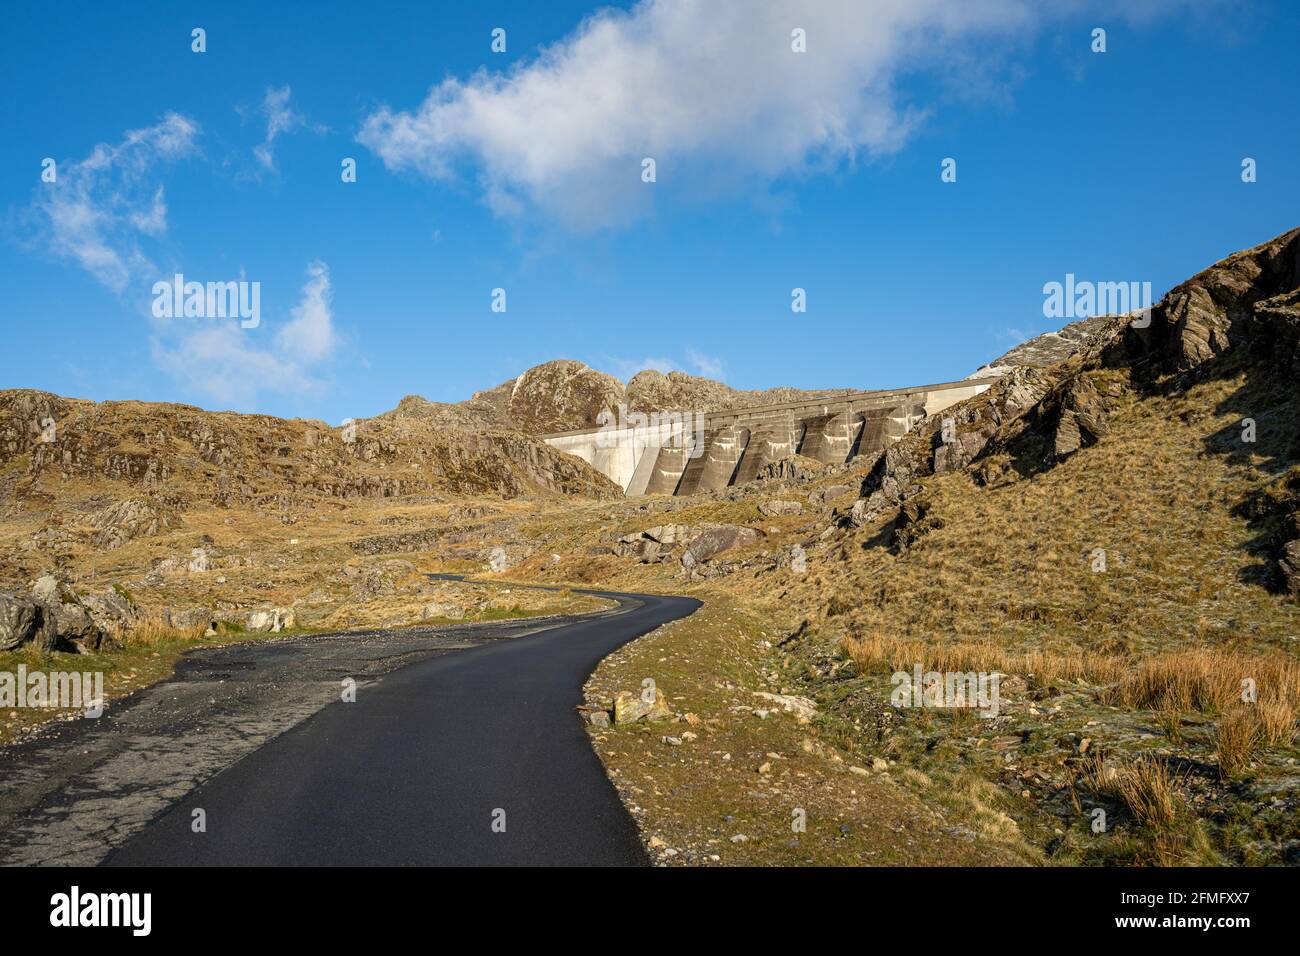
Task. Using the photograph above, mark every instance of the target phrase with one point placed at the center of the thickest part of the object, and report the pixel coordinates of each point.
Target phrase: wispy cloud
(696, 363)
(98, 208)
(280, 118)
(713, 91)
(221, 361)
(705, 365)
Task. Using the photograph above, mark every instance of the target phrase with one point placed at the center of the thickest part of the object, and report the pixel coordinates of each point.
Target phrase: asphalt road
(473, 757)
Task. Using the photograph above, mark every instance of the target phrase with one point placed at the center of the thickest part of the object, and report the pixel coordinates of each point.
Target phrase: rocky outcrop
(188, 619)
(112, 609)
(1035, 417)
(565, 394)
(1276, 510)
(1052, 348)
(652, 544)
(652, 390)
(129, 519)
(272, 620)
(55, 618)
(794, 468)
(447, 611)
(1249, 299)
(945, 443)
(70, 621)
(1289, 564)
(710, 542)
(552, 397)
(692, 543)
(21, 622)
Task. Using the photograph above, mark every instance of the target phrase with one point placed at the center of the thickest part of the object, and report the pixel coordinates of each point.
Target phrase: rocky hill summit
(565, 395)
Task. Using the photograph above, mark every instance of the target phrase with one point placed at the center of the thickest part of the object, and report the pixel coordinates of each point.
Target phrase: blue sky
(775, 170)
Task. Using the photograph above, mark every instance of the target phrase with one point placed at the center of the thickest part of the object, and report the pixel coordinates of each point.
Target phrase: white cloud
(219, 360)
(705, 365)
(711, 90)
(309, 336)
(99, 207)
(280, 118)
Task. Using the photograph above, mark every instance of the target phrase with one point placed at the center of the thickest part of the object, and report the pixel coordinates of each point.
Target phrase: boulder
(652, 544)
(20, 620)
(188, 619)
(712, 541)
(112, 608)
(271, 620)
(835, 491)
(66, 623)
(779, 508)
(798, 559)
(629, 708)
(498, 560)
(668, 534)
(437, 610)
(74, 625)
(802, 708)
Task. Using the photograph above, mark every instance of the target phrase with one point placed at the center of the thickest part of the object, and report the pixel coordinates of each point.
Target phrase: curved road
(426, 765)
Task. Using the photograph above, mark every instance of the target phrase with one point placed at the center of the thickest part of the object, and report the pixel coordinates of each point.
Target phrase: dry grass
(1277, 720)
(1015, 563)
(1207, 680)
(1211, 680)
(878, 652)
(153, 633)
(1144, 785)
(1236, 739)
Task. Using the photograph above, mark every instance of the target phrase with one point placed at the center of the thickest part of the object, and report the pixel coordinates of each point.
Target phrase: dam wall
(707, 451)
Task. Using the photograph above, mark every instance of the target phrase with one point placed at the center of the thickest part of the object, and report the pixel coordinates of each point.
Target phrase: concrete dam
(681, 453)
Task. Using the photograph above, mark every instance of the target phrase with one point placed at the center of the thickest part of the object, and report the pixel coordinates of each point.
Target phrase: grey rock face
(128, 519)
(274, 620)
(1289, 565)
(188, 618)
(52, 619)
(713, 541)
(20, 620)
